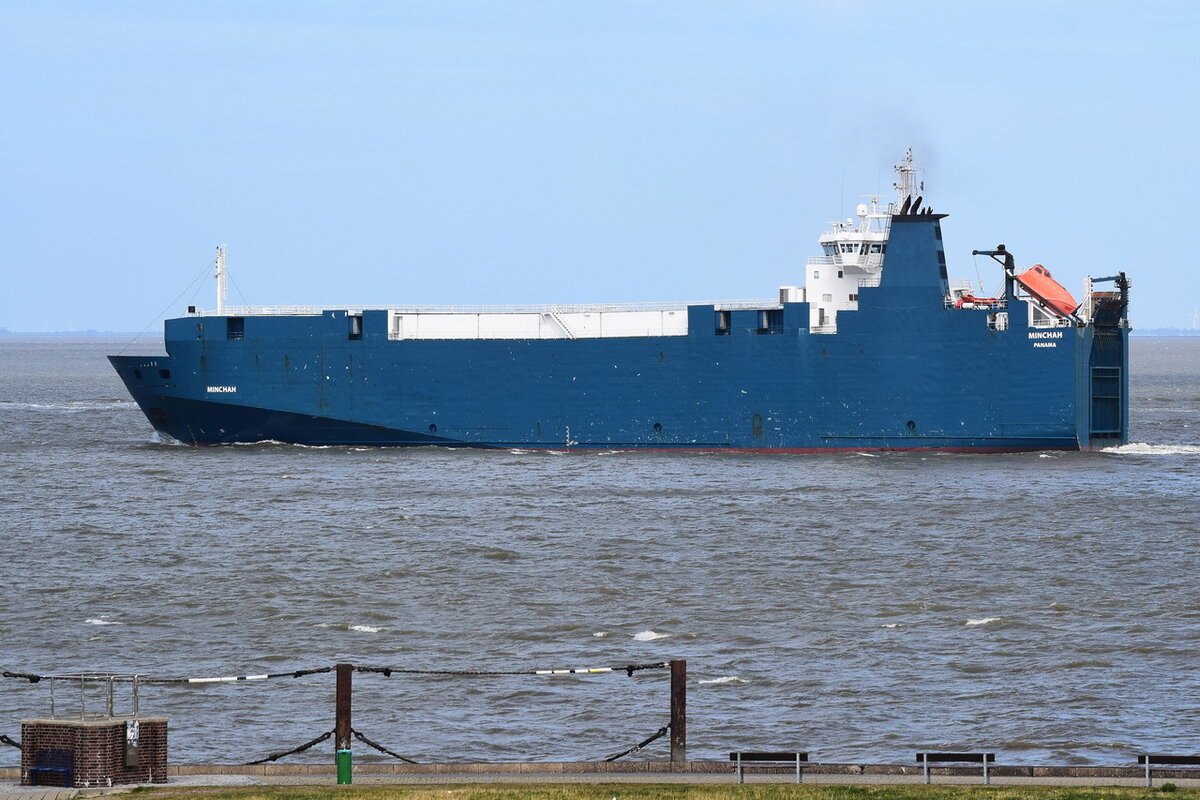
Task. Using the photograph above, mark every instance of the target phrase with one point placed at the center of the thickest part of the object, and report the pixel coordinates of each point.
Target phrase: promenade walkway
(695, 772)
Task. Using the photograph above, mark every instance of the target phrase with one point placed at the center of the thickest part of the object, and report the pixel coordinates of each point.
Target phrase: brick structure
(98, 748)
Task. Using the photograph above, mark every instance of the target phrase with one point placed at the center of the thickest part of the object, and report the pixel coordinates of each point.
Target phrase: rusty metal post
(341, 725)
(679, 710)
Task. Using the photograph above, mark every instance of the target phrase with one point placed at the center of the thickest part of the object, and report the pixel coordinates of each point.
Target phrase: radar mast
(221, 288)
(907, 186)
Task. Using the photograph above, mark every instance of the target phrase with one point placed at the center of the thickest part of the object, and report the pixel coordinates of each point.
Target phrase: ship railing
(823, 261)
(870, 280)
(1049, 321)
(463, 335)
(595, 308)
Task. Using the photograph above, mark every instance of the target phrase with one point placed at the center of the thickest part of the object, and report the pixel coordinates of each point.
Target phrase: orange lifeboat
(1037, 282)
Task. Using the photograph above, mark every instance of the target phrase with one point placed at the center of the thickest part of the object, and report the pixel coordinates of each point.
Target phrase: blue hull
(903, 372)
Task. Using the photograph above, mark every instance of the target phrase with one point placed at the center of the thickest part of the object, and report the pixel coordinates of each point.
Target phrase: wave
(649, 636)
(1145, 449)
(984, 621)
(277, 443)
(724, 679)
(343, 626)
(73, 406)
(101, 621)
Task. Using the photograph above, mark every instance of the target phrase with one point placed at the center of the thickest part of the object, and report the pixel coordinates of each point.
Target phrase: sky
(468, 152)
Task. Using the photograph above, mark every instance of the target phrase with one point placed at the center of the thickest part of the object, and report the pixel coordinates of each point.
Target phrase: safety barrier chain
(32, 678)
(362, 738)
(628, 669)
(236, 678)
(23, 675)
(300, 749)
(656, 735)
(9, 741)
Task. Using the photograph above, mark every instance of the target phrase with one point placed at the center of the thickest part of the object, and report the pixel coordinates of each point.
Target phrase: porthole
(432, 428)
(658, 427)
(912, 426)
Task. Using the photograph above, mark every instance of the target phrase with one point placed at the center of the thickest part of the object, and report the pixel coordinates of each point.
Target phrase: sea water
(857, 606)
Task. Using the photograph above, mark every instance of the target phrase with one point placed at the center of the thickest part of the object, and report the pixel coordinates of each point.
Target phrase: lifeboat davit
(1037, 282)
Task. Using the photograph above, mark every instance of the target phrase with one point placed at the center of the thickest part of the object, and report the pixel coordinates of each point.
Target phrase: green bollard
(343, 766)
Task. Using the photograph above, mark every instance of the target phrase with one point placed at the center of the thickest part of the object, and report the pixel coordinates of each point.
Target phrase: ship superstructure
(879, 350)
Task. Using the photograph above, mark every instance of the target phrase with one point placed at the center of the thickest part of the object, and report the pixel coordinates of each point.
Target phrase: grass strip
(626, 791)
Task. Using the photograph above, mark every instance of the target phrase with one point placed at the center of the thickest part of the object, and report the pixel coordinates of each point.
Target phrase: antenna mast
(221, 289)
(907, 186)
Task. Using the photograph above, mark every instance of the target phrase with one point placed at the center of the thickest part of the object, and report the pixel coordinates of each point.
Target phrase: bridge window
(830, 249)
(877, 248)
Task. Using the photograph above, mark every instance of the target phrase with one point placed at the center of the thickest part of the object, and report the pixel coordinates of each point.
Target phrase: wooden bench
(744, 759)
(1183, 761)
(925, 759)
(60, 762)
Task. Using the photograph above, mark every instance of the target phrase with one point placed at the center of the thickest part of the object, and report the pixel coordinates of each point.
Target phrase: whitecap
(892, 625)
(365, 629)
(1144, 449)
(983, 621)
(649, 636)
(72, 406)
(723, 679)
(600, 634)
(278, 443)
(101, 621)
(868, 455)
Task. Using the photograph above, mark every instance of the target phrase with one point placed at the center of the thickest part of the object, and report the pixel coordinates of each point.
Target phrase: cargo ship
(878, 349)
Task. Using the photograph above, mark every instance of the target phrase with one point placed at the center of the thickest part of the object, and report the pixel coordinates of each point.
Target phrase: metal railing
(105, 683)
(248, 311)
